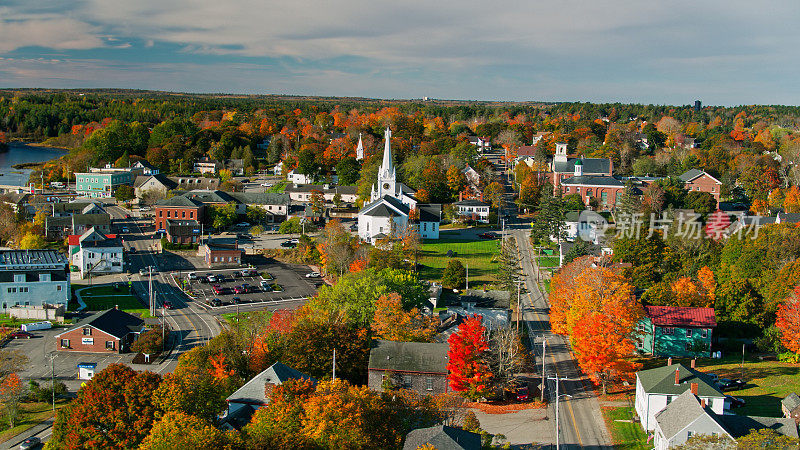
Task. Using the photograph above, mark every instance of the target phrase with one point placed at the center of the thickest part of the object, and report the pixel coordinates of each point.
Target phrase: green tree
(291, 226)
(348, 170)
(124, 193)
(256, 215)
(222, 216)
(455, 275)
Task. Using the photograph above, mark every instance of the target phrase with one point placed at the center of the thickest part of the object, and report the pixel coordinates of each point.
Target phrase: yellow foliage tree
(393, 323)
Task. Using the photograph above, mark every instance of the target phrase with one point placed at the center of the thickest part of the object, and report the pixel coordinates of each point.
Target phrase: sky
(723, 52)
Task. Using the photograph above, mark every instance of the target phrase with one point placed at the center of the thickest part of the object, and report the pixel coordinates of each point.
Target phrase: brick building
(183, 231)
(418, 366)
(605, 188)
(179, 208)
(109, 331)
(699, 180)
(221, 252)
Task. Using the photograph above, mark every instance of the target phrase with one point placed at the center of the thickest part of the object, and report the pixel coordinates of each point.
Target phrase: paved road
(581, 422)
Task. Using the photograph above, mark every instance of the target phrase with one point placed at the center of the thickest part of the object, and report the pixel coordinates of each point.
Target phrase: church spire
(359, 149)
(387, 167)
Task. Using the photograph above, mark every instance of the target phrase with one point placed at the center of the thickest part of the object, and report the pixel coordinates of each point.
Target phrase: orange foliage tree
(791, 203)
(393, 323)
(788, 321)
(468, 372)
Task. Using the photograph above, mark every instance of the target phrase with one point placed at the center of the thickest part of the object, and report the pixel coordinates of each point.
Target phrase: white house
(293, 176)
(657, 388)
(473, 210)
(33, 278)
(96, 253)
(393, 207)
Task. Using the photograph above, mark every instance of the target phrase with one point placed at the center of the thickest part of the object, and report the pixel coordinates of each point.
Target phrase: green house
(102, 184)
(676, 331)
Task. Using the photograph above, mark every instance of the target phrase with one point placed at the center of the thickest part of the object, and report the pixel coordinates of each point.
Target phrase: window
(567, 189)
(58, 288)
(183, 214)
(407, 381)
(109, 345)
(87, 341)
(669, 399)
(429, 383)
(65, 343)
(705, 333)
(604, 197)
(87, 331)
(668, 330)
(161, 213)
(688, 434)
(688, 332)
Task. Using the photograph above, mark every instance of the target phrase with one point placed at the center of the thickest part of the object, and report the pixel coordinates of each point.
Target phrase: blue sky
(666, 52)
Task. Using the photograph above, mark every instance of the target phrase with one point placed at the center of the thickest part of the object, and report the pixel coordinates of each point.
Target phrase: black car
(215, 302)
(727, 384)
(736, 402)
(288, 244)
(236, 300)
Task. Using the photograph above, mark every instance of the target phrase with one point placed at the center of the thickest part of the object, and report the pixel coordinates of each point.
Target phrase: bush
(36, 393)
(149, 342)
(167, 245)
(455, 275)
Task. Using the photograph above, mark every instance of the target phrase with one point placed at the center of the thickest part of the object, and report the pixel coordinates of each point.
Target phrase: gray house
(689, 415)
(416, 366)
(442, 437)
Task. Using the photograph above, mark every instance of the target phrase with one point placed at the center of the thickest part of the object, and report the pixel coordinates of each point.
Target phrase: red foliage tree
(469, 374)
(788, 321)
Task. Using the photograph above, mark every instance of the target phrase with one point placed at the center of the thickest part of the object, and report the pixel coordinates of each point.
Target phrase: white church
(392, 205)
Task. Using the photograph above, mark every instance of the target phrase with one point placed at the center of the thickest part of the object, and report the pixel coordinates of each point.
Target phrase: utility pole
(150, 289)
(742, 362)
(53, 378)
(558, 396)
(519, 303)
(467, 287)
(544, 348)
(334, 364)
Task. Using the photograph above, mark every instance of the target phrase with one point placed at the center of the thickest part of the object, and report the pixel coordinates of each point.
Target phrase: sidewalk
(14, 442)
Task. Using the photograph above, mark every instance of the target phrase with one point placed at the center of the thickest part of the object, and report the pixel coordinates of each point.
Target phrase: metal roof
(29, 259)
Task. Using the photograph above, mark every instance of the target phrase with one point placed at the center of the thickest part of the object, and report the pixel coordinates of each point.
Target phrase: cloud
(56, 33)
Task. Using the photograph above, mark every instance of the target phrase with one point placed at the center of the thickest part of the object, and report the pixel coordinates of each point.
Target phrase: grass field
(548, 261)
(104, 297)
(768, 382)
(32, 414)
(480, 255)
(625, 433)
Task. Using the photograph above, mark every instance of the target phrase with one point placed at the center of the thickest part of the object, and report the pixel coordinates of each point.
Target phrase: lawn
(479, 255)
(768, 382)
(32, 414)
(548, 261)
(625, 433)
(99, 298)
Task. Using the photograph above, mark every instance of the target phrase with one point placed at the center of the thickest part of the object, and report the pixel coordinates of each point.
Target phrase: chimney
(694, 362)
(703, 403)
(116, 306)
(694, 387)
(669, 361)
(677, 377)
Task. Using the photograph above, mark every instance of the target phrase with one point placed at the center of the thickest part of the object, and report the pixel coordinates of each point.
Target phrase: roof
(681, 316)
(680, 413)
(307, 188)
(442, 437)
(739, 426)
(113, 321)
(209, 196)
(31, 259)
(179, 201)
(420, 357)
(590, 165)
(77, 219)
(526, 150)
(94, 239)
(261, 198)
(385, 207)
(791, 402)
(429, 212)
(593, 180)
(165, 181)
(788, 218)
(471, 203)
(693, 174)
(254, 393)
(195, 182)
(491, 298)
(661, 380)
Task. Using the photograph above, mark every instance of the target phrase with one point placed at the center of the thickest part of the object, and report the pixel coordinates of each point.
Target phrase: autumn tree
(11, 393)
(337, 248)
(788, 321)
(455, 180)
(506, 356)
(393, 323)
(468, 372)
(493, 193)
(277, 426)
(178, 430)
(114, 410)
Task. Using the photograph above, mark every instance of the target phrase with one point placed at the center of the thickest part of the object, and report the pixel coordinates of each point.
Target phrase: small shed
(86, 370)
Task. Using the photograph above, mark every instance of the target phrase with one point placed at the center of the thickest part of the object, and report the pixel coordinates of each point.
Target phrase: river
(19, 153)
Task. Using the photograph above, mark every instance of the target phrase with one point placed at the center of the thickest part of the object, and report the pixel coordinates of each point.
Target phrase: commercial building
(109, 331)
(102, 183)
(33, 278)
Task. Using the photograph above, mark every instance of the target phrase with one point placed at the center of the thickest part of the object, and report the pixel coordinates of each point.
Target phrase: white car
(313, 275)
(192, 276)
(243, 224)
(266, 185)
(144, 208)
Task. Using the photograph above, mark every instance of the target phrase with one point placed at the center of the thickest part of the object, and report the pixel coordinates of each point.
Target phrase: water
(19, 153)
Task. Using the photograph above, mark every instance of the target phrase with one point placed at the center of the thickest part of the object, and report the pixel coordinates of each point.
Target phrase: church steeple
(387, 167)
(359, 149)
(387, 176)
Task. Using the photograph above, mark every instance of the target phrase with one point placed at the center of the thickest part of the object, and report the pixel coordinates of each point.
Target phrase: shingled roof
(678, 316)
(419, 357)
(661, 380)
(112, 321)
(254, 393)
(442, 437)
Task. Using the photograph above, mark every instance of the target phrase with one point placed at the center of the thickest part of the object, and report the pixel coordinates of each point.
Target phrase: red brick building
(699, 180)
(177, 208)
(606, 189)
(109, 331)
(222, 252)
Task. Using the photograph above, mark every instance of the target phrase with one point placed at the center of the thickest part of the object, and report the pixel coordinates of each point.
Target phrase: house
(61, 226)
(209, 197)
(109, 331)
(473, 210)
(676, 331)
(589, 228)
(790, 407)
(145, 167)
(207, 165)
(453, 316)
(152, 185)
(183, 231)
(539, 136)
(689, 415)
(393, 207)
(96, 253)
(303, 193)
(293, 176)
(275, 205)
(564, 248)
(255, 393)
(656, 388)
(442, 437)
(102, 183)
(236, 166)
(221, 252)
(483, 144)
(486, 298)
(606, 189)
(417, 366)
(278, 168)
(178, 207)
(700, 180)
(33, 278)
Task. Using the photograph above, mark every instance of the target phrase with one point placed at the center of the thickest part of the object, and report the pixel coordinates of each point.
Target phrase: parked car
(144, 208)
(20, 335)
(243, 224)
(248, 273)
(203, 280)
(487, 235)
(192, 276)
(167, 304)
(127, 216)
(265, 286)
(288, 244)
(221, 278)
(216, 302)
(294, 241)
(236, 300)
(143, 272)
(727, 384)
(217, 289)
(239, 290)
(521, 395)
(212, 279)
(313, 275)
(31, 442)
(266, 185)
(736, 402)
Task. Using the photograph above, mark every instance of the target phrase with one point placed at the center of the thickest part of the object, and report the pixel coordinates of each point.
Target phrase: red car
(217, 289)
(167, 304)
(21, 335)
(487, 236)
(239, 290)
(521, 394)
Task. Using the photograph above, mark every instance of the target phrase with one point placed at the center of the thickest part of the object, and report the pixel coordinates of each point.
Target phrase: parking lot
(271, 283)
